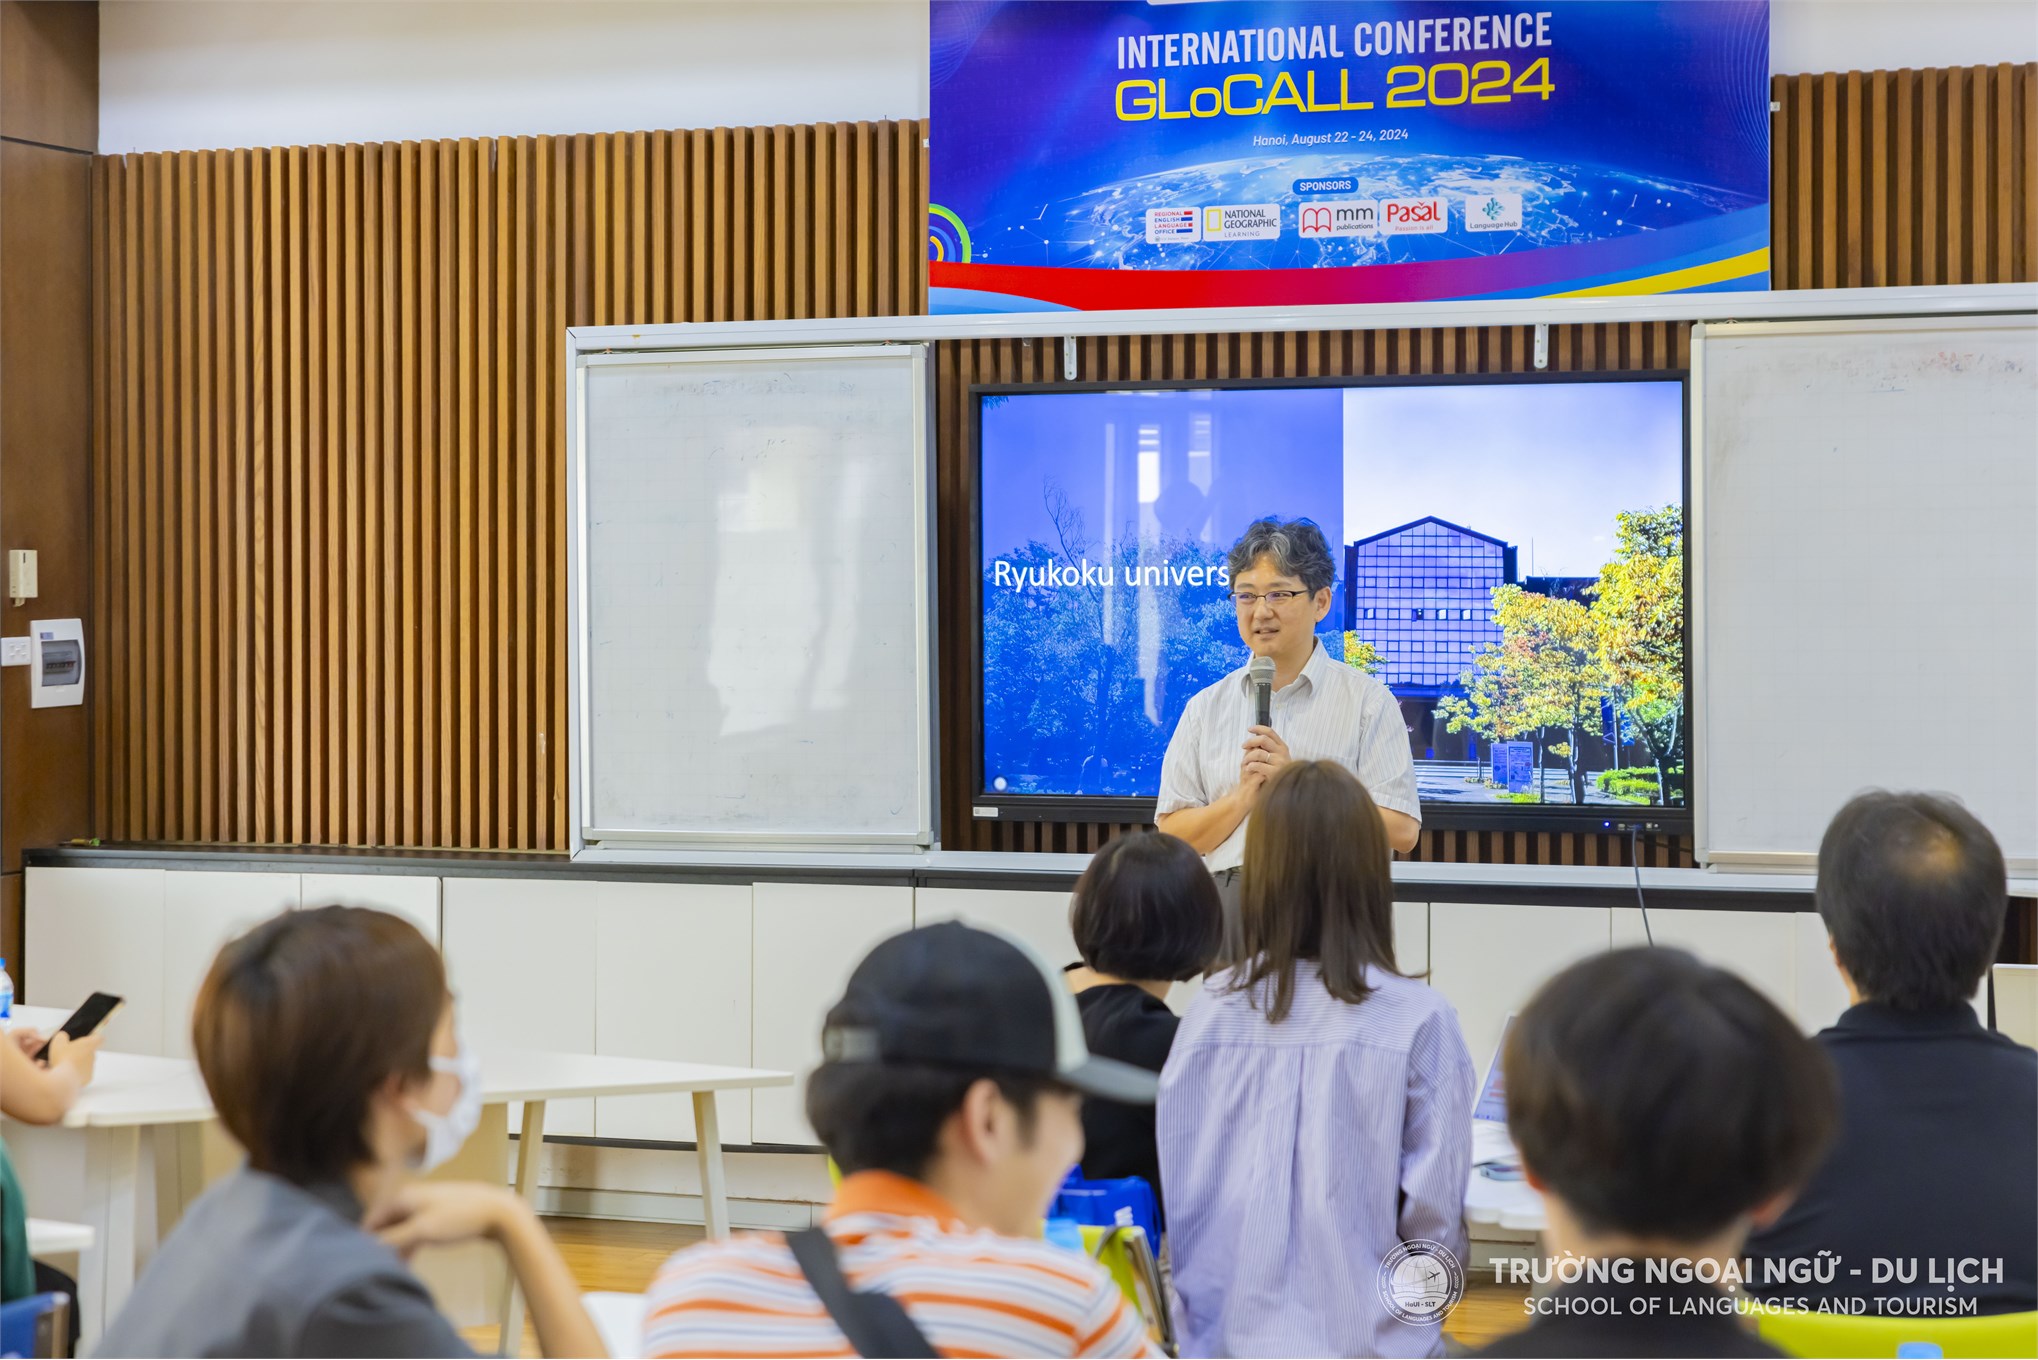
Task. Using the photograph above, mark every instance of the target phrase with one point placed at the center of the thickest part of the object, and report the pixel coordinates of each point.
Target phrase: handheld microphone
(1261, 674)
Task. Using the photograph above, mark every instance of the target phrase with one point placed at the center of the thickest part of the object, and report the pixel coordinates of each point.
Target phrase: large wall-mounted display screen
(1510, 563)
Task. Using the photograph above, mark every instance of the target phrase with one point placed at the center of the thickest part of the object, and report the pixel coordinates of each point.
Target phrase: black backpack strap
(875, 1323)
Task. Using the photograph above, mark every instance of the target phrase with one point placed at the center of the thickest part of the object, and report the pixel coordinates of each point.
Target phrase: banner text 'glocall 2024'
(1238, 153)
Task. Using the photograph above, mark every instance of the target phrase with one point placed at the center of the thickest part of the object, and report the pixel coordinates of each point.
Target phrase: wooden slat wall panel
(331, 574)
(1899, 178)
(330, 491)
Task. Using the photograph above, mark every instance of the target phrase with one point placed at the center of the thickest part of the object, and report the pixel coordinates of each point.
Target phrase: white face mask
(446, 1133)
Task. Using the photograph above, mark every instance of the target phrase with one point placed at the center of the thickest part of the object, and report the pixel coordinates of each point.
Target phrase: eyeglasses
(1245, 599)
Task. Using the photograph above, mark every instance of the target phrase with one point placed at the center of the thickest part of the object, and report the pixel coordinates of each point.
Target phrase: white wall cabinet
(1488, 960)
(98, 930)
(414, 896)
(672, 981)
(1041, 919)
(807, 939)
(1760, 946)
(202, 911)
(521, 958)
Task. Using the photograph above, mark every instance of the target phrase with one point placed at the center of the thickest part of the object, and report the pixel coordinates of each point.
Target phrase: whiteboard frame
(584, 838)
(1997, 318)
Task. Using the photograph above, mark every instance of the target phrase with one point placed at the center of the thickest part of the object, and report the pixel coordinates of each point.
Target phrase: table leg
(530, 1152)
(708, 1147)
(112, 1202)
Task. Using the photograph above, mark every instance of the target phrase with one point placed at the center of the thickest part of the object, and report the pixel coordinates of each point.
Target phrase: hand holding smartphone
(97, 1010)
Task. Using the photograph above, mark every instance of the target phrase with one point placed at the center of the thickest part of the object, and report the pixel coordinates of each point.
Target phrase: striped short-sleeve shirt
(1330, 711)
(971, 1292)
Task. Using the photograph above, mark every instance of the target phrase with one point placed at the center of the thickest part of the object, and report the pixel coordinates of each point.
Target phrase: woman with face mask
(327, 1041)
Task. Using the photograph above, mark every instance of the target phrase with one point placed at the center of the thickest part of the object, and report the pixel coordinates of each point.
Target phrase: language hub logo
(1164, 225)
(1338, 217)
(1421, 1281)
(1242, 222)
(1412, 216)
(1493, 212)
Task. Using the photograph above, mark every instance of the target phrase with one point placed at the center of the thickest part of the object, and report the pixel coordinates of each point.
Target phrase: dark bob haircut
(1146, 910)
(1913, 891)
(300, 1022)
(1658, 1096)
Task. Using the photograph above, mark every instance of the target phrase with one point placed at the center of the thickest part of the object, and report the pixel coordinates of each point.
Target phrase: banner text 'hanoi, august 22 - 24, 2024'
(1240, 152)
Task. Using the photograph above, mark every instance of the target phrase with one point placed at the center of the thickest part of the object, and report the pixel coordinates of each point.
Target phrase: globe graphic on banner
(1561, 204)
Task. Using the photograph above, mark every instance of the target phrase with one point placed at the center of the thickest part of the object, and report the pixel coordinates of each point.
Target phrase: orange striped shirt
(972, 1292)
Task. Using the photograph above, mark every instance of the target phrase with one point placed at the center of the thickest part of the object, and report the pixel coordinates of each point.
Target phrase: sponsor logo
(1172, 224)
(1325, 186)
(1338, 217)
(1421, 1282)
(1412, 216)
(1242, 222)
(1493, 211)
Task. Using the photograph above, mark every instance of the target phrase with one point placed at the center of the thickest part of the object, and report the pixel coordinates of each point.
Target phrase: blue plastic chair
(1127, 1201)
(39, 1325)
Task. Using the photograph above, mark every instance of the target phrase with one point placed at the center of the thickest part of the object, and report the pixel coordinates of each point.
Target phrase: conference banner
(1104, 154)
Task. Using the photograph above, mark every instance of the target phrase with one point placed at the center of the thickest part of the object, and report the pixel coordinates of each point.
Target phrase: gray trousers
(1232, 948)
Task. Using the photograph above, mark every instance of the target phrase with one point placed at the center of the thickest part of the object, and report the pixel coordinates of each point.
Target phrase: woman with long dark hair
(1315, 1111)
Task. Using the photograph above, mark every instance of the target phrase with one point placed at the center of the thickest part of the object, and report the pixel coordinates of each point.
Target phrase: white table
(534, 1077)
(130, 1092)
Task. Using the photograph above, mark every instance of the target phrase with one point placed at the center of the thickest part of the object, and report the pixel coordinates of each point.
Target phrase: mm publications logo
(1421, 1282)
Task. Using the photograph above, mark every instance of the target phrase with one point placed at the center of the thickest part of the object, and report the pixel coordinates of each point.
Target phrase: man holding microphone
(1221, 755)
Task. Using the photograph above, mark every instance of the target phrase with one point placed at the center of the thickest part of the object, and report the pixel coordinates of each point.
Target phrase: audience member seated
(1937, 1157)
(949, 1098)
(327, 1040)
(1145, 916)
(1316, 1111)
(36, 1093)
(1662, 1106)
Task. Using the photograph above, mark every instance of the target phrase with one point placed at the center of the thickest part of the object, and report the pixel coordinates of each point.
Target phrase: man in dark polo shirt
(1937, 1159)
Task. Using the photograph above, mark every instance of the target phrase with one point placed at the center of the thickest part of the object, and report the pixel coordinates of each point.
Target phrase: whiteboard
(1865, 563)
(752, 596)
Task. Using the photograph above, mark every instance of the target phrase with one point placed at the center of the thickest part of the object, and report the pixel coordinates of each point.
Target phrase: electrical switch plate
(14, 651)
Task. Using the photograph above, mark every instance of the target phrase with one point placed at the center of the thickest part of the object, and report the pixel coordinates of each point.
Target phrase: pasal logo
(1242, 222)
(1493, 210)
(1338, 217)
(1412, 216)
(1165, 225)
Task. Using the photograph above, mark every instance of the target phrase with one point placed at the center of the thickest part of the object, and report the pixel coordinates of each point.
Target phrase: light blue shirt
(1296, 1156)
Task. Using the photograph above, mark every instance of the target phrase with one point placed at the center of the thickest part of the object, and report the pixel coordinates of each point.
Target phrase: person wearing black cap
(949, 1096)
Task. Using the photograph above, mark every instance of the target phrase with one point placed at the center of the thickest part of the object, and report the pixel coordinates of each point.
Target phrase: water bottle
(6, 993)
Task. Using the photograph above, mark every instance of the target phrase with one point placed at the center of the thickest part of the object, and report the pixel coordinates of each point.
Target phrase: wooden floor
(606, 1254)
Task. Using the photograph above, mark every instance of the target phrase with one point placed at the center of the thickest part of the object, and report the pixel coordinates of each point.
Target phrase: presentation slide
(1509, 560)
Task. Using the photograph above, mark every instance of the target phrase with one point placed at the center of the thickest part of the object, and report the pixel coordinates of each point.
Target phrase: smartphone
(97, 1010)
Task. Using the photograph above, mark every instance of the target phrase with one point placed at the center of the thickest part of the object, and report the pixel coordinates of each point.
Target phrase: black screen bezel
(1435, 816)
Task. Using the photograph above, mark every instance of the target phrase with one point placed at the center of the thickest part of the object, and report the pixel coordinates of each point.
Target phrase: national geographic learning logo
(1421, 1282)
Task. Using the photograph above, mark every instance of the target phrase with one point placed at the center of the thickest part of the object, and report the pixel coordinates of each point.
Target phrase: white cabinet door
(202, 910)
(1041, 919)
(1411, 937)
(1488, 960)
(808, 939)
(1820, 990)
(98, 930)
(1761, 946)
(520, 954)
(413, 895)
(672, 981)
